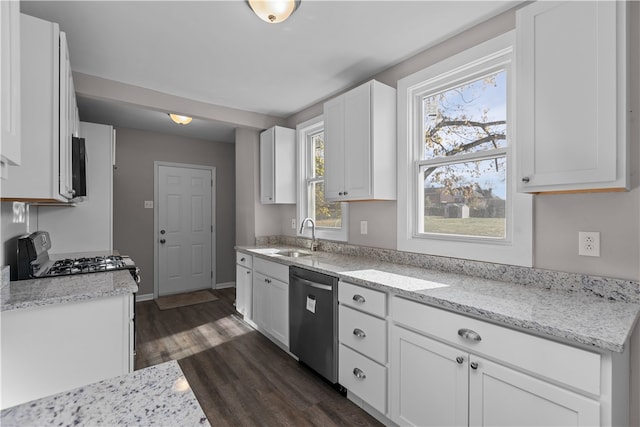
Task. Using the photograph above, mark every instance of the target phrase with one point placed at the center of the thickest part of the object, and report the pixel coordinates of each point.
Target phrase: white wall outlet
(148, 204)
(293, 223)
(364, 225)
(589, 243)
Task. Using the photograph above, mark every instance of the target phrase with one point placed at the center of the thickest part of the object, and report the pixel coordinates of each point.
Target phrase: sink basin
(294, 253)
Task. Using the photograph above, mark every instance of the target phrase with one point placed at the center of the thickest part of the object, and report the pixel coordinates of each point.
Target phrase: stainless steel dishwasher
(313, 321)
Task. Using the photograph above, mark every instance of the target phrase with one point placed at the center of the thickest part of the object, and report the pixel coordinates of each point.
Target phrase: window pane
(317, 143)
(326, 214)
(467, 199)
(468, 118)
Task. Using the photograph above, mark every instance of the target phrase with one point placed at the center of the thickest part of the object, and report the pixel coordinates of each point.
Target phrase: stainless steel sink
(294, 253)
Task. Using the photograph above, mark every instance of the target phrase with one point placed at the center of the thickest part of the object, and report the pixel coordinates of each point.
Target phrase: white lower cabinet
(362, 332)
(448, 369)
(244, 285)
(271, 300)
(54, 348)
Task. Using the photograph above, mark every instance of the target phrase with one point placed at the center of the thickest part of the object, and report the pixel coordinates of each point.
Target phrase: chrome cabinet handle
(459, 359)
(359, 374)
(525, 179)
(359, 333)
(474, 365)
(359, 298)
(468, 334)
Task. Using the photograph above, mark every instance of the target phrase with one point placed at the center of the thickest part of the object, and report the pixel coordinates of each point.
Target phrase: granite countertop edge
(614, 341)
(156, 395)
(25, 294)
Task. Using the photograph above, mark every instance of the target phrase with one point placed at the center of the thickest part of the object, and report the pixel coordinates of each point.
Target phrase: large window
(329, 217)
(456, 191)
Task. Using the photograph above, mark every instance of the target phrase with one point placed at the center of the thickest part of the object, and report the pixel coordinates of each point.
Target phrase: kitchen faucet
(314, 244)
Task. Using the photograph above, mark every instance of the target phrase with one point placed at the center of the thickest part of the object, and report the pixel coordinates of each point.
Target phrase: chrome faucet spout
(314, 244)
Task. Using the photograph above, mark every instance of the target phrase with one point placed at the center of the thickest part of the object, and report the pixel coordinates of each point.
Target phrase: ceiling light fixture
(181, 120)
(273, 11)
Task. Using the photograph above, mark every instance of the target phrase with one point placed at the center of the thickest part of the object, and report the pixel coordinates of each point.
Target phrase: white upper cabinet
(49, 116)
(571, 96)
(10, 75)
(278, 165)
(360, 144)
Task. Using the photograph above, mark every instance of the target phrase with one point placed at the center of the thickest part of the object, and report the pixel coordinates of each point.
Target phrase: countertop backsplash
(610, 288)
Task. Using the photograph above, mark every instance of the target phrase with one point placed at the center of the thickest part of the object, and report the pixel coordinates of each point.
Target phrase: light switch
(364, 225)
(148, 204)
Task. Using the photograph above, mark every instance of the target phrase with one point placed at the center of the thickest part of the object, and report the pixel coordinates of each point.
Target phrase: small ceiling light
(181, 120)
(273, 11)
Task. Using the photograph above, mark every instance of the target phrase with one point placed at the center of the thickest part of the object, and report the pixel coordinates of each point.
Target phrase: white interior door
(184, 229)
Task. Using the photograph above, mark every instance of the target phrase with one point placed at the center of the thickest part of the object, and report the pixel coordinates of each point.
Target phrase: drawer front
(365, 299)
(363, 333)
(244, 260)
(272, 269)
(363, 377)
(556, 361)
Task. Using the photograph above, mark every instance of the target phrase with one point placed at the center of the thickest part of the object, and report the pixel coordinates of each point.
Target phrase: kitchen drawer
(550, 359)
(372, 387)
(352, 324)
(362, 298)
(244, 260)
(272, 269)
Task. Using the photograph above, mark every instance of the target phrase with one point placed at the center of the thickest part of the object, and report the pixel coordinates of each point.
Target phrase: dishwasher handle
(313, 284)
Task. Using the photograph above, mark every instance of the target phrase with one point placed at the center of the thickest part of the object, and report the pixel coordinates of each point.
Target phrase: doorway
(184, 228)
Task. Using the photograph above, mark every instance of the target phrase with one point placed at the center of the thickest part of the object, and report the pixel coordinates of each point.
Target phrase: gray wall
(133, 183)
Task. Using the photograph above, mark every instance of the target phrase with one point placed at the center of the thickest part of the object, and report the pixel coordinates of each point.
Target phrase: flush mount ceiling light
(273, 11)
(181, 120)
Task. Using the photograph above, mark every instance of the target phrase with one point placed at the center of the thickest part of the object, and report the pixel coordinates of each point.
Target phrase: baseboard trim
(225, 285)
(144, 297)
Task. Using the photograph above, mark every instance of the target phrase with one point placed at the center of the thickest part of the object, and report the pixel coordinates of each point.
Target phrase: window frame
(517, 247)
(304, 131)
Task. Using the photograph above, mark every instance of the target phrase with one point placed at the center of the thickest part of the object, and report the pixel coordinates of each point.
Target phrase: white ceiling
(220, 53)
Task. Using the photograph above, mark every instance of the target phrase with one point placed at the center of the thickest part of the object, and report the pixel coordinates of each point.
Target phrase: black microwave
(78, 167)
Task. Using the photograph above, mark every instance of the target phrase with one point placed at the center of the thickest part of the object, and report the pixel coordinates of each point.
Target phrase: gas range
(33, 260)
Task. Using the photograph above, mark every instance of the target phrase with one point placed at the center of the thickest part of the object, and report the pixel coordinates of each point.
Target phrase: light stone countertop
(32, 293)
(546, 310)
(157, 395)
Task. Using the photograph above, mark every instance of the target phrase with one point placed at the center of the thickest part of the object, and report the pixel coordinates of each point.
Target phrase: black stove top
(34, 262)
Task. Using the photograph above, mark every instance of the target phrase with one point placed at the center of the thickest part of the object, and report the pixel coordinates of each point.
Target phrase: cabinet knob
(248, 272)
(346, 192)
(474, 365)
(359, 374)
(470, 335)
(242, 259)
(163, 241)
(359, 333)
(459, 359)
(359, 299)
(340, 193)
(525, 179)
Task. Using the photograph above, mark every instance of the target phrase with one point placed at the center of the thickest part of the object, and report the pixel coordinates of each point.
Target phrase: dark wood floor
(239, 377)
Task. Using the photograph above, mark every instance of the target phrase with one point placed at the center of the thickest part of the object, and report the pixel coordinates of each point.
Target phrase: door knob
(163, 241)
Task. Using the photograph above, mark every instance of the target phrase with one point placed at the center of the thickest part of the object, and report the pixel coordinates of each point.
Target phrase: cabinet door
(357, 146)
(334, 149)
(10, 75)
(267, 162)
(67, 121)
(499, 396)
(571, 110)
(261, 301)
(429, 381)
(279, 306)
(244, 287)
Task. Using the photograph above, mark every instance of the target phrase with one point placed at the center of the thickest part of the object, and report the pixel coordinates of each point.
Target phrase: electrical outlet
(148, 204)
(293, 223)
(589, 243)
(363, 227)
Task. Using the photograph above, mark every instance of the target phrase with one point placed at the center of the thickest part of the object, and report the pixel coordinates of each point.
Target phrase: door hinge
(212, 228)
(212, 274)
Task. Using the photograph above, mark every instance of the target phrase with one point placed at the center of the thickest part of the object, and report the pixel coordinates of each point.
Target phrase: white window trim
(302, 131)
(517, 248)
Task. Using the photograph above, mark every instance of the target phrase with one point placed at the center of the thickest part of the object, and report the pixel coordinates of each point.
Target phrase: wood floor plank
(239, 377)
